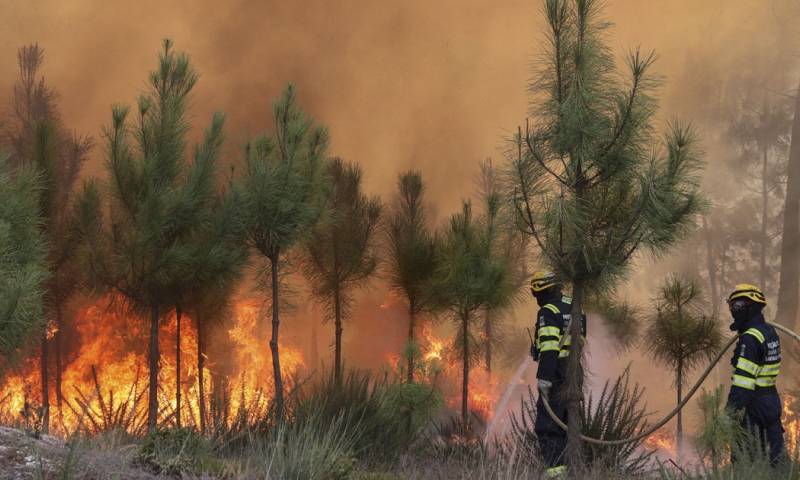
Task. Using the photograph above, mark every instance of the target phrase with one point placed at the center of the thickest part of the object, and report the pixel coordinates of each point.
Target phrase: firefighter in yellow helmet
(550, 349)
(756, 364)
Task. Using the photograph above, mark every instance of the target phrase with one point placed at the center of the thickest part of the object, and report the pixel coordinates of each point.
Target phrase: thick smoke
(413, 84)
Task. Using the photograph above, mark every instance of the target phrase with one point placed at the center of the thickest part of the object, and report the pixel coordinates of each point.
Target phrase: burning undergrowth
(99, 382)
(103, 381)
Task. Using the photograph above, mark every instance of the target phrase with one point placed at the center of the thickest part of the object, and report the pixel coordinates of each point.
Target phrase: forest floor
(26, 456)
(23, 456)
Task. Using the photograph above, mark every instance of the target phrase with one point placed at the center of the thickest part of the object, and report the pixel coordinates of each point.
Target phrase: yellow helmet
(542, 280)
(745, 290)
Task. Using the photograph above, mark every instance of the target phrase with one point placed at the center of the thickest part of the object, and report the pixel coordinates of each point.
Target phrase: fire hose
(678, 408)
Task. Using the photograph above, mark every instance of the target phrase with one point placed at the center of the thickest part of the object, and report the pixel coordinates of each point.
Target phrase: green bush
(177, 451)
(407, 409)
(306, 450)
(387, 416)
(717, 430)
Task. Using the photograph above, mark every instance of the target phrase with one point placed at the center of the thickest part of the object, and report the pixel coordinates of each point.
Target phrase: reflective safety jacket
(756, 364)
(553, 340)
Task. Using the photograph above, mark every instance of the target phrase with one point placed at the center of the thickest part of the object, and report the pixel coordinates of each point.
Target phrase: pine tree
(505, 244)
(210, 307)
(217, 254)
(37, 137)
(411, 255)
(761, 129)
(586, 183)
(280, 196)
(145, 251)
(680, 336)
(789, 286)
(23, 261)
(467, 280)
(341, 253)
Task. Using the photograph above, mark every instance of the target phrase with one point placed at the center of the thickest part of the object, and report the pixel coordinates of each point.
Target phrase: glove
(545, 386)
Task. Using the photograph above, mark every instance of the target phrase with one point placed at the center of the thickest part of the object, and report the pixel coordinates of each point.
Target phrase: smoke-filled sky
(434, 85)
(401, 84)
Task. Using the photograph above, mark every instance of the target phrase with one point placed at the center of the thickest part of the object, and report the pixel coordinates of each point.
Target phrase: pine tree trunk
(574, 385)
(764, 240)
(487, 330)
(201, 375)
(58, 352)
(178, 314)
(337, 359)
(45, 387)
(711, 267)
(679, 385)
(713, 287)
(314, 343)
(790, 244)
(465, 378)
(153, 359)
(273, 343)
(411, 320)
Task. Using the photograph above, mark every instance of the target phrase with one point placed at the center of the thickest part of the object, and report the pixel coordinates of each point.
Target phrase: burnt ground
(22, 456)
(25, 456)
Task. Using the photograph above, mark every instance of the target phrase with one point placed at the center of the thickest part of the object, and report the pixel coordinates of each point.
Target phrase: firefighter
(756, 364)
(550, 349)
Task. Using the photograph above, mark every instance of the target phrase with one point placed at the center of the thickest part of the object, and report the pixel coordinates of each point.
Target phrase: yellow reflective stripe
(744, 382)
(765, 382)
(770, 370)
(567, 340)
(550, 345)
(549, 332)
(563, 354)
(754, 332)
(748, 366)
(552, 308)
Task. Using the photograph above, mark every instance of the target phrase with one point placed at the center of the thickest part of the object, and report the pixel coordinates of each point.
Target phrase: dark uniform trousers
(763, 420)
(552, 438)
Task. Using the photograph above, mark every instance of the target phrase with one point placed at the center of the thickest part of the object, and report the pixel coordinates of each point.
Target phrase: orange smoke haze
(407, 84)
(411, 84)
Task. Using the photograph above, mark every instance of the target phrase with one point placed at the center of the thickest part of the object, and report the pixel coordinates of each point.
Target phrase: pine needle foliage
(589, 179)
(623, 319)
(718, 431)
(145, 251)
(468, 279)
(680, 337)
(215, 267)
(23, 261)
(411, 255)
(280, 198)
(37, 137)
(505, 244)
(341, 252)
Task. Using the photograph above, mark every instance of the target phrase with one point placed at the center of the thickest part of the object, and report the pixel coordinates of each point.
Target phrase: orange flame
(791, 422)
(483, 391)
(113, 349)
(664, 442)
